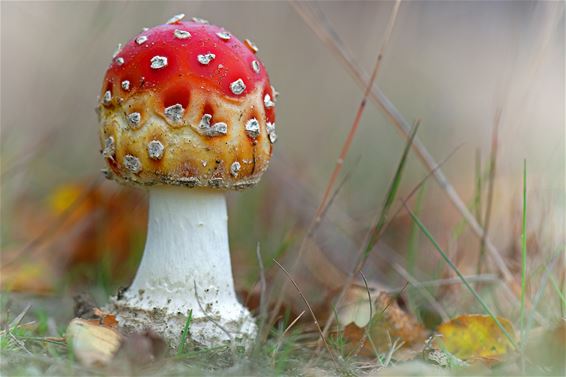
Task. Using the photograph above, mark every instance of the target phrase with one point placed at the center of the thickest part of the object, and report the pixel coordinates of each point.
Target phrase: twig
(490, 278)
(358, 117)
(20, 316)
(280, 341)
(397, 344)
(425, 293)
(491, 185)
(323, 206)
(292, 323)
(478, 200)
(207, 316)
(322, 28)
(369, 294)
(315, 320)
(310, 231)
(19, 343)
(523, 263)
(263, 285)
(425, 178)
(376, 230)
(262, 290)
(368, 325)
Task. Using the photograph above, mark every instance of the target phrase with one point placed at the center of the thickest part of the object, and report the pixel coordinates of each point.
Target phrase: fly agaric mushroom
(187, 111)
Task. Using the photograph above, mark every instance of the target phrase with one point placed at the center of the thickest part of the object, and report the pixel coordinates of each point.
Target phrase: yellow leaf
(64, 196)
(475, 336)
(36, 277)
(93, 344)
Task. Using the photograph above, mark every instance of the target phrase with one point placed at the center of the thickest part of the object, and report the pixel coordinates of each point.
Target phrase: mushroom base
(207, 330)
(186, 267)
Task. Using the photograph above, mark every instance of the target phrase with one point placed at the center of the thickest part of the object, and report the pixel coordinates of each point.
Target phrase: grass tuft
(464, 281)
(523, 254)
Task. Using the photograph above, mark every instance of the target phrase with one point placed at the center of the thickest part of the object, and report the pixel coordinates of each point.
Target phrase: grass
(290, 348)
(185, 334)
(523, 254)
(376, 230)
(463, 279)
(412, 250)
(391, 194)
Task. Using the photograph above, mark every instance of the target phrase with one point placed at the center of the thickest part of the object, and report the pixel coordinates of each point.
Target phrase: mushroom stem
(187, 243)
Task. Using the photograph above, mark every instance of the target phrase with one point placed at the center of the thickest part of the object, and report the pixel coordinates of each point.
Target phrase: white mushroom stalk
(187, 245)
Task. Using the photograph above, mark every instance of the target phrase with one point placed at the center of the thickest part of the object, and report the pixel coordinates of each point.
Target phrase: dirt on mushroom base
(206, 327)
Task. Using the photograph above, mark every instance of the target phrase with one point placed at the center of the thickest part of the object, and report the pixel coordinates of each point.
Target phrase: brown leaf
(93, 344)
(32, 276)
(79, 225)
(388, 323)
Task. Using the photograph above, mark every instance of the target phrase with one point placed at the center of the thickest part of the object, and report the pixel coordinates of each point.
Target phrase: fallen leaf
(356, 307)
(36, 276)
(475, 337)
(80, 226)
(65, 196)
(389, 323)
(93, 344)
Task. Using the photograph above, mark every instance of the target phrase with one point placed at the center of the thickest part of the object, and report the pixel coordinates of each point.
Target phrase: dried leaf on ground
(36, 276)
(93, 344)
(475, 337)
(79, 225)
(389, 322)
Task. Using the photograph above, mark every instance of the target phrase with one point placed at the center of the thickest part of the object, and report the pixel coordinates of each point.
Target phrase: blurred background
(450, 64)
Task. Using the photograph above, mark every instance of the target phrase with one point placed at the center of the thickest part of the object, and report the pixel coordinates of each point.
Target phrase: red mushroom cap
(192, 75)
(231, 60)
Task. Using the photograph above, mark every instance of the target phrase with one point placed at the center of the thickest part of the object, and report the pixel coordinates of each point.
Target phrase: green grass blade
(185, 333)
(559, 291)
(464, 281)
(412, 251)
(523, 253)
(392, 192)
(414, 235)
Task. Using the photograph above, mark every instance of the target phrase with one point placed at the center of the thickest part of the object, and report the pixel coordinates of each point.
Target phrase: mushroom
(182, 113)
